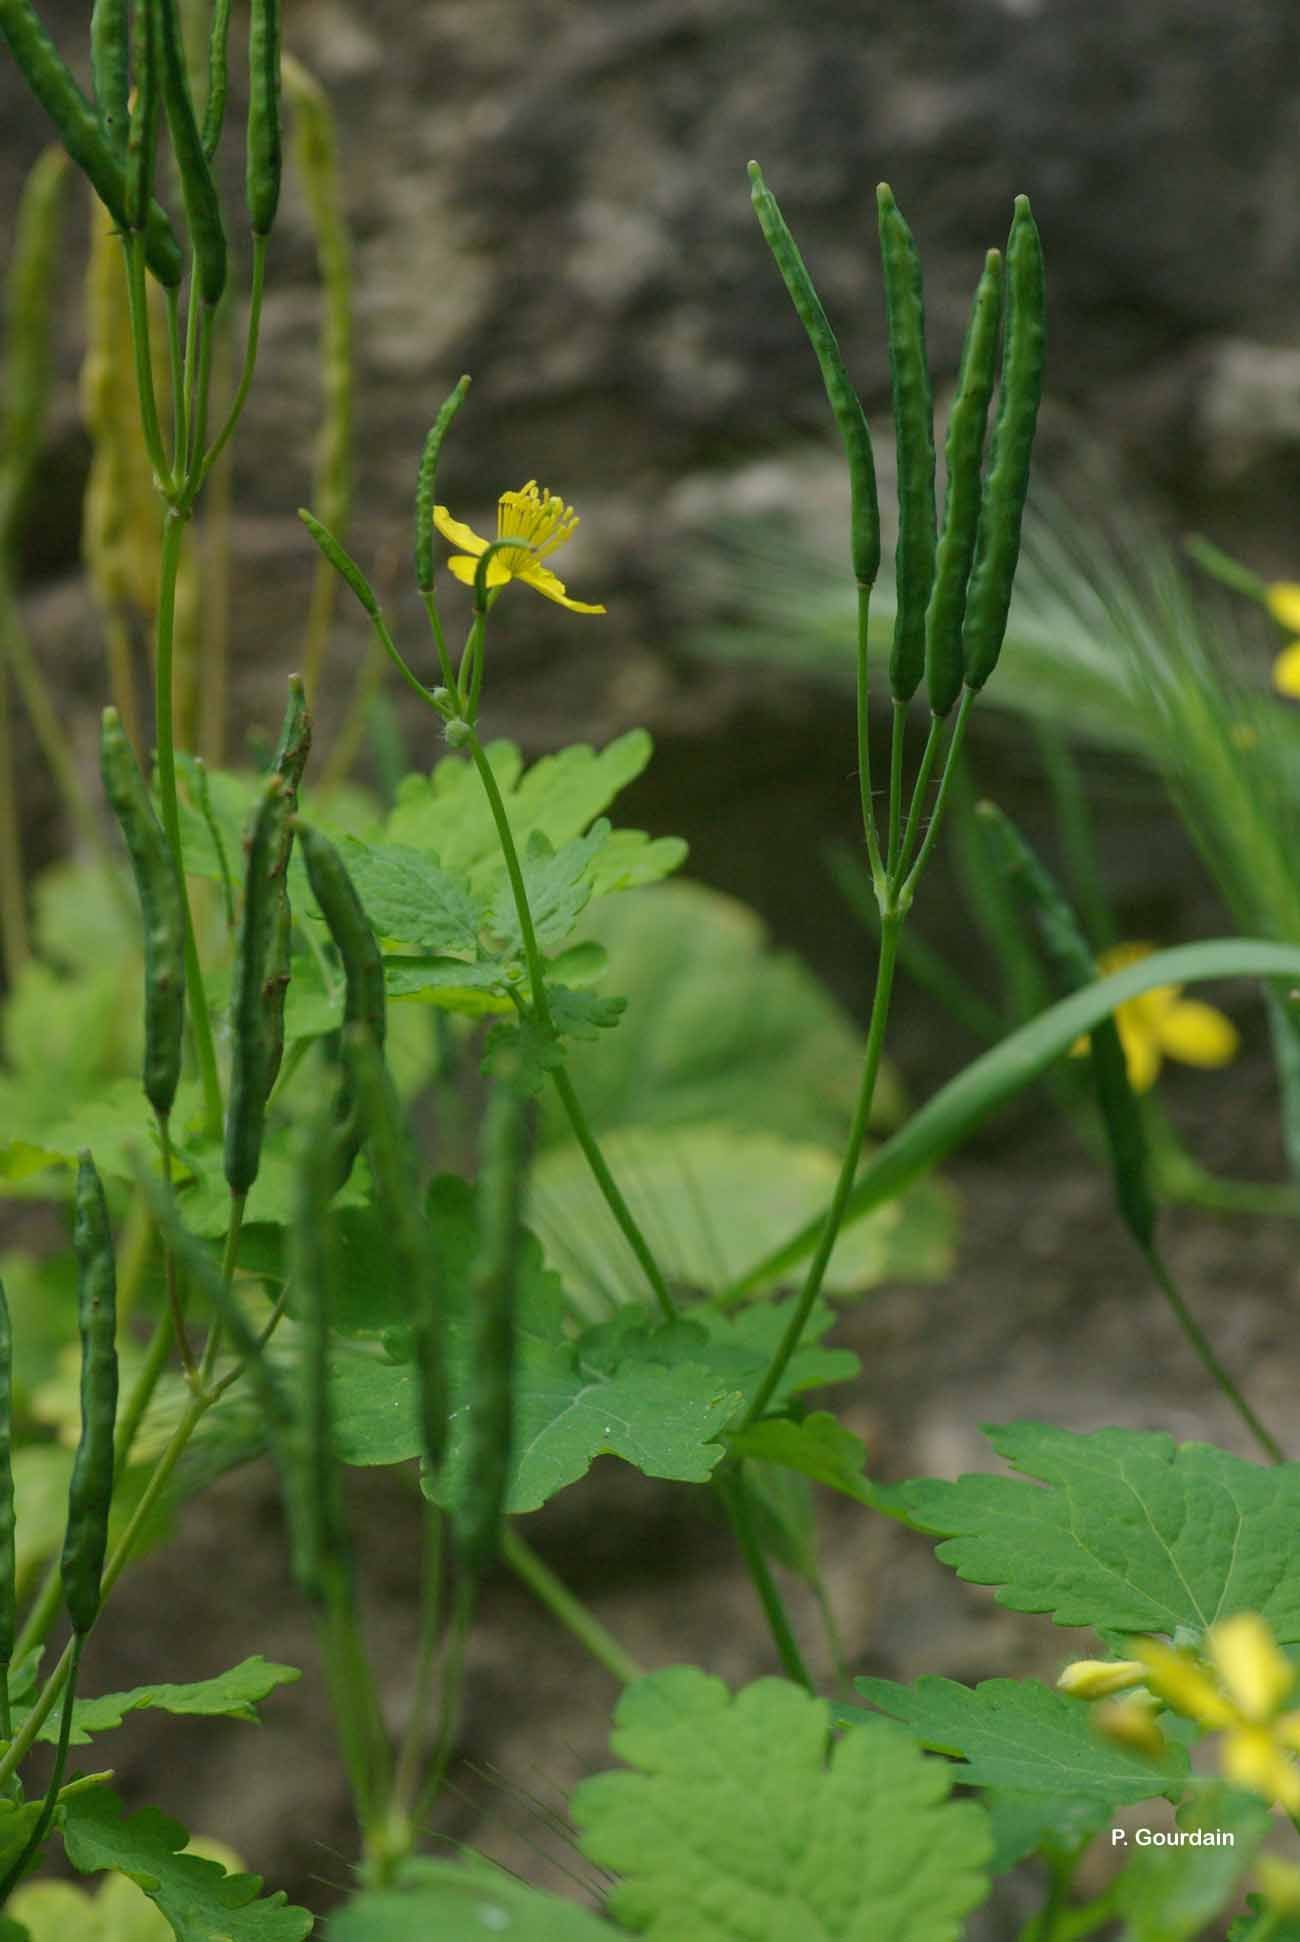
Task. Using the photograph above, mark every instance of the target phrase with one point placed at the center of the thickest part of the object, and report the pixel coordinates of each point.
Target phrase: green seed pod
(252, 1010)
(426, 484)
(90, 1494)
(198, 189)
(8, 1553)
(963, 453)
(289, 761)
(844, 401)
(142, 140)
(476, 1519)
(28, 362)
(110, 68)
(294, 745)
(1067, 949)
(997, 548)
(363, 972)
(342, 562)
(262, 175)
(397, 1193)
(52, 83)
(214, 108)
(909, 374)
(161, 908)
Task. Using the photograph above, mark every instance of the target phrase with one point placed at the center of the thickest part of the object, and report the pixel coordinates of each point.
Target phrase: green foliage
(230, 1695)
(1134, 1534)
(199, 1899)
(1169, 1894)
(1014, 1733)
(463, 1903)
(717, 1840)
(818, 1447)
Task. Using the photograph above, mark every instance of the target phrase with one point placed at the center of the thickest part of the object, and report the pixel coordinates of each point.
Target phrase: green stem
(928, 755)
(200, 1020)
(197, 420)
(924, 965)
(864, 734)
(407, 1774)
(439, 638)
(609, 1187)
(138, 306)
(735, 1500)
(178, 369)
(223, 437)
(229, 1258)
(570, 1611)
(897, 726)
(618, 1207)
(1202, 1347)
(908, 890)
(169, 1259)
(42, 1827)
(890, 925)
(356, 1708)
(13, 894)
(453, 1674)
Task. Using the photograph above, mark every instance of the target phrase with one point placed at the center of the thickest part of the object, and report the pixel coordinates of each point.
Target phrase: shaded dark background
(553, 197)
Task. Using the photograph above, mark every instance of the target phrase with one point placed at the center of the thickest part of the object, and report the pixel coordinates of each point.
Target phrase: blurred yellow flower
(1283, 601)
(540, 521)
(1161, 1024)
(1252, 1681)
(1099, 1678)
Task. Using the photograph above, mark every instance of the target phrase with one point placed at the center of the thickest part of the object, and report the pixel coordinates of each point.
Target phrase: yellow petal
(465, 569)
(1198, 1034)
(1252, 1759)
(1131, 1722)
(1286, 672)
(1278, 1882)
(543, 581)
(1179, 1680)
(1283, 599)
(1099, 1678)
(1287, 1731)
(1120, 956)
(1257, 1675)
(1141, 1051)
(459, 534)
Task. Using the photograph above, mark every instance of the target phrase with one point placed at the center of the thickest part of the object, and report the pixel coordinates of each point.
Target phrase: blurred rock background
(553, 197)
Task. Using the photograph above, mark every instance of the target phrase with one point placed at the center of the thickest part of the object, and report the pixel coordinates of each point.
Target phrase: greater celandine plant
(768, 1814)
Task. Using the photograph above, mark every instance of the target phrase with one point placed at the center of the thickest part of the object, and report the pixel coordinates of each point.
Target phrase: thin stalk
(395, 655)
(356, 1708)
(138, 306)
(406, 1776)
(197, 1008)
(439, 638)
(169, 1259)
(229, 1257)
(216, 594)
(198, 423)
(505, 837)
(249, 366)
(42, 1827)
(183, 463)
(453, 1677)
(864, 734)
(570, 1611)
(605, 1180)
(940, 802)
(890, 925)
(735, 1499)
(928, 755)
(1202, 1348)
(178, 375)
(13, 894)
(926, 967)
(898, 725)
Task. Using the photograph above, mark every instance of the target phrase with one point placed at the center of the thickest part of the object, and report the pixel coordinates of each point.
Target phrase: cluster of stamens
(542, 521)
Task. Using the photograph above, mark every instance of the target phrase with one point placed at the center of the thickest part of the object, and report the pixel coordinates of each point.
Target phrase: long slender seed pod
(161, 908)
(363, 972)
(342, 562)
(252, 1032)
(198, 189)
(844, 401)
(110, 68)
(289, 761)
(52, 82)
(214, 108)
(426, 483)
(142, 139)
(1068, 951)
(476, 1519)
(909, 374)
(8, 1553)
(28, 362)
(321, 1545)
(997, 547)
(397, 1191)
(294, 745)
(963, 460)
(262, 174)
(90, 1493)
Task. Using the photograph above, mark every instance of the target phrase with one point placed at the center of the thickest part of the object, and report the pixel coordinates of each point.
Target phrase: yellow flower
(1283, 601)
(540, 521)
(1099, 1678)
(1161, 1024)
(1243, 1701)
